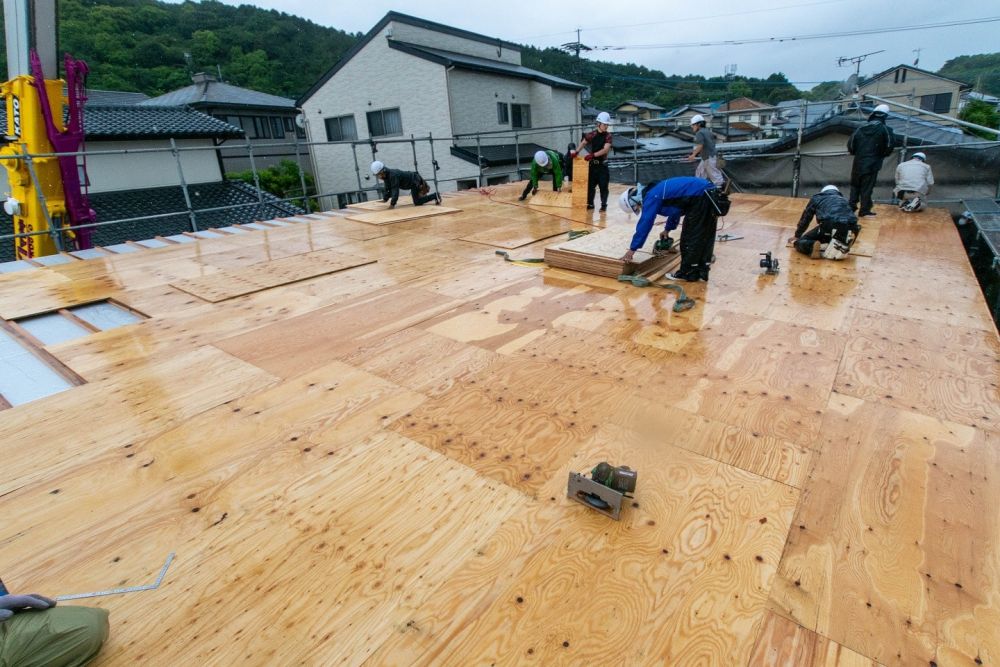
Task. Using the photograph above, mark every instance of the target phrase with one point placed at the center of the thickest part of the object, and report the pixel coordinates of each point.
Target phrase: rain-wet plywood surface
(369, 466)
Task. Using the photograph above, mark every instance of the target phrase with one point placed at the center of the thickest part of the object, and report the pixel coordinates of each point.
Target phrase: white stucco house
(414, 78)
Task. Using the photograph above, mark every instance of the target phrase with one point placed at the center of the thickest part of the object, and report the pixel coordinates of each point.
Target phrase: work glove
(572, 153)
(11, 603)
(588, 157)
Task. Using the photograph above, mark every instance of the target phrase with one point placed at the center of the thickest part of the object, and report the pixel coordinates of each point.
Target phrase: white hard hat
(542, 158)
(604, 118)
(882, 108)
(697, 118)
(630, 201)
(830, 188)
(921, 156)
(377, 167)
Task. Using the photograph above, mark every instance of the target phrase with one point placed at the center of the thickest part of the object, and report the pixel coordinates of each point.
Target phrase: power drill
(663, 245)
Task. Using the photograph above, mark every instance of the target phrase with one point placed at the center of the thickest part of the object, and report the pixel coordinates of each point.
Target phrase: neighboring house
(639, 110)
(744, 118)
(413, 78)
(910, 85)
(268, 122)
(144, 183)
(980, 97)
(791, 114)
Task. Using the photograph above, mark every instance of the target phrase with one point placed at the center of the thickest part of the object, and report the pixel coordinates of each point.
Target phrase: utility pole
(729, 75)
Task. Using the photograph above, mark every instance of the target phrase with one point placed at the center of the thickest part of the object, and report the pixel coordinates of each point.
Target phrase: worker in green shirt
(544, 162)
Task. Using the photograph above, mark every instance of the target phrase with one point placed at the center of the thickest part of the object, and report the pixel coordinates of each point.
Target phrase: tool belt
(720, 200)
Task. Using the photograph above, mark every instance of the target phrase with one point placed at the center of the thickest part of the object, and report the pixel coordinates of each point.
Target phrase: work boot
(590, 207)
(437, 198)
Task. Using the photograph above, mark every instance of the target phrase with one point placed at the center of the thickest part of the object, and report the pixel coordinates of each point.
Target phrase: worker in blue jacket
(698, 200)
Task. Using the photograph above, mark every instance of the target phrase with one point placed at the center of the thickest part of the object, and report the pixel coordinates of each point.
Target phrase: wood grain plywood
(581, 174)
(555, 582)
(892, 533)
(391, 216)
(515, 235)
(291, 347)
(231, 284)
(600, 252)
(551, 199)
(782, 642)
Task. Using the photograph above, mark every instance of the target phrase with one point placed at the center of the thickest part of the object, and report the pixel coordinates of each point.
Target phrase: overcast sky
(630, 24)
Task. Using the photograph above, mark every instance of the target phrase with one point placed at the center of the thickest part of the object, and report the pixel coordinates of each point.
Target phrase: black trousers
(599, 175)
(701, 221)
(420, 201)
(844, 232)
(862, 185)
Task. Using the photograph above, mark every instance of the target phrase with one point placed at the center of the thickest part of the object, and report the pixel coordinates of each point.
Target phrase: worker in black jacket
(869, 144)
(397, 179)
(599, 146)
(837, 227)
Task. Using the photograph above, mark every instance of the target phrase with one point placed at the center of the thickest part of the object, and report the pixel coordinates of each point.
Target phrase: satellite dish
(300, 120)
(849, 86)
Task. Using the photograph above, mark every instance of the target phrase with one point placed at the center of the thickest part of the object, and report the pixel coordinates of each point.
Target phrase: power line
(774, 40)
(686, 20)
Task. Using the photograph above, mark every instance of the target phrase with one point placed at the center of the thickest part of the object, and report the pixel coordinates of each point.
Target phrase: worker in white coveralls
(914, 179)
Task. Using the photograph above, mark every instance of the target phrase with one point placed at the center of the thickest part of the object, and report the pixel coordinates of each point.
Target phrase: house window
(520, 115)
(745, 116)
(277, 128)
(940, 103)
(385, 123)
(288, 123)
(261, 128)
(902, 78)
(341, 128)
(503, 113)
(895, 76)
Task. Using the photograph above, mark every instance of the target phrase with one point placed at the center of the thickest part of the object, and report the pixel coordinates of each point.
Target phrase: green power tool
(663, 245)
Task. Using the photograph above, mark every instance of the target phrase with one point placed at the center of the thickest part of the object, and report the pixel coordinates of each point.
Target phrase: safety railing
(626, 164)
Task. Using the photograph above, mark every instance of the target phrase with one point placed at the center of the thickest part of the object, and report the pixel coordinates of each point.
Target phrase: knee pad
(836, 250)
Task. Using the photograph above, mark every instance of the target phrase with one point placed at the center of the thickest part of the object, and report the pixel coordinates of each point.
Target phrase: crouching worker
(36, 633)
(396, 179)
(914, 179)
(698, 200)
(544, 162)
(836, 230)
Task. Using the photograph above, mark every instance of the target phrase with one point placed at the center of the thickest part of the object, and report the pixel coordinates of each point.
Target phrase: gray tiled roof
(102, 98)
(217, 93)
(499, 153)
(462, 61)
(639, 104)
(142, 122)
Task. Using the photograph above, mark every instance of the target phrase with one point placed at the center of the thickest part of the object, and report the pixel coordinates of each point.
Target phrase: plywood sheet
(376, 205)
(581, 174)
(388, 217)
(599, 253)
(517, 234)
(238, 282)
(551, 199)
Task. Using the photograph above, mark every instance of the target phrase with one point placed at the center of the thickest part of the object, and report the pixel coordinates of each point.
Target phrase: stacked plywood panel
(599, 254)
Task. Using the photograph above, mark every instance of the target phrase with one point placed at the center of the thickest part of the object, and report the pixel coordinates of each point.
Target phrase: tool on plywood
(769, 264)
(129, 589)
(605, 489)
(663, 246)
(727, 237)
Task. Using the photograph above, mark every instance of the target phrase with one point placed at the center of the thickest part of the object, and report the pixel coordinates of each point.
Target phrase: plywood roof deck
(369, 466)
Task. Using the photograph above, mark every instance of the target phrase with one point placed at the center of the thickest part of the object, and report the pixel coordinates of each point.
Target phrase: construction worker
(869, 144)
(396, 180)
(544, 162)
(704, 147)
(836, 230)
(698, 200)
(598, 144)
(36, 633)
(914, 179)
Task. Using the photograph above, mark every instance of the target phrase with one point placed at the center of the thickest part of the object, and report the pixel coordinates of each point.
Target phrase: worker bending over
(544, 162)
(397, 179)
(836, 230)
(698, 200)
(36, 633)
(598, 144)
(914, 179)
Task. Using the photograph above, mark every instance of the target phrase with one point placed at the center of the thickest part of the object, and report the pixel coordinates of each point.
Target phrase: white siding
(403, 32)
(110, 173)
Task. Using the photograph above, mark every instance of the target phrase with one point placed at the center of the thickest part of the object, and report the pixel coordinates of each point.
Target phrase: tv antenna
(856, 60)
(576, 47)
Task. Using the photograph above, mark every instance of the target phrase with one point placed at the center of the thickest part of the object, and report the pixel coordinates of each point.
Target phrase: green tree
(981, 113)
(281, 180)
